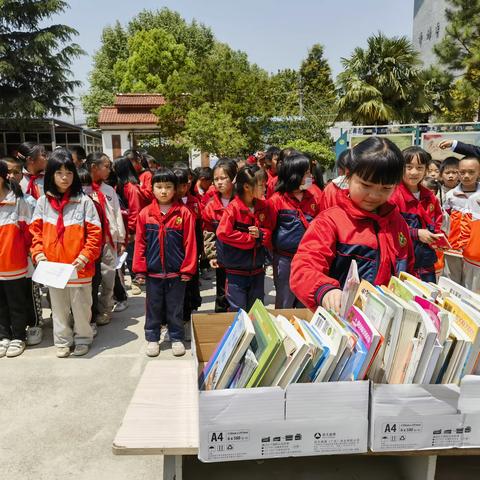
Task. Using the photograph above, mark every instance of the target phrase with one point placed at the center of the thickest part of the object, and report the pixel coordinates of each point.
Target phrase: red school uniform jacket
(291, 219)
(210, 193)
(237, 250)
(380, 244)
(272, 181)
(332, 191)
(165, 245)
(212, 213)
(136, 201)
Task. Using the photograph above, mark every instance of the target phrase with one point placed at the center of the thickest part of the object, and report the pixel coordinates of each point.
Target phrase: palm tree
(381, 83)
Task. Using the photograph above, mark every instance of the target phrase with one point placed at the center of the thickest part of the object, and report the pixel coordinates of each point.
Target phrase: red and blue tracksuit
(290, 218)
(272, 181)
(422, 213)
(378, 242)
(165, 249)
(243, 255)
(211, 215)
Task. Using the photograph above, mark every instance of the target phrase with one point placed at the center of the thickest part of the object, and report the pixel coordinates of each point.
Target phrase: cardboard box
(269, 422)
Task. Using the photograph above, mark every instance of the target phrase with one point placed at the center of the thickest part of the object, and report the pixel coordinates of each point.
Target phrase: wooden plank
(162, 417)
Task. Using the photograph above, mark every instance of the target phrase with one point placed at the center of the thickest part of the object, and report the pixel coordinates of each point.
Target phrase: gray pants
(454, 268)
(284, 297)
(77, 300)
(471, 276)
(109, 262)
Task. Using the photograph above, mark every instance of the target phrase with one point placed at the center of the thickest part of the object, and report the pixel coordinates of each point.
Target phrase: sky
(274, 34)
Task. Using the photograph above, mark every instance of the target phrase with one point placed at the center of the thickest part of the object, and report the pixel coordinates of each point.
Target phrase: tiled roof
(111, 115)
(139, 100)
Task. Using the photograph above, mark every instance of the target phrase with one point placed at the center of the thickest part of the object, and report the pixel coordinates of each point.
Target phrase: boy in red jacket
(165, 251)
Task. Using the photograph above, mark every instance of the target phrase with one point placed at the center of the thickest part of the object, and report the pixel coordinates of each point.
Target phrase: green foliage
(214, 131)
(35, 79)
(284, 93)
(382, 82)
(321, 152)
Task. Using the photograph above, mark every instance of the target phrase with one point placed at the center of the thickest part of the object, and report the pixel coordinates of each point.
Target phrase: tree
(381, 83)
(153, 55)
(318, 151)
(214, 131)
(459, 50)
(284, 93)
(35, 60)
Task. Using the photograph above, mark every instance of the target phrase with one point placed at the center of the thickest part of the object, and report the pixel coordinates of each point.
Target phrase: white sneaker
(153, 349)
(120, 306)
(178, 349)
(80, 350)
(136, 290)
(15, 348)
(4, 343)
(63, 352)
(34, 335)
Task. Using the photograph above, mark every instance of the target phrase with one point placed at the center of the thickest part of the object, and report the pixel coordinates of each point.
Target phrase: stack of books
(407, 332)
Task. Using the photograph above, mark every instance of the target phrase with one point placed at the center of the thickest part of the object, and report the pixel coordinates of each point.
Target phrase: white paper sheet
(53, 274)
(121, 260)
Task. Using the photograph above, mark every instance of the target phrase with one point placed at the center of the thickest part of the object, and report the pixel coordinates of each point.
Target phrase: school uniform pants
(453, 268)
(96, 281)
(284, 297)
(243, 290)
(221, 303)
(108, 271)
(78, 301)
(471, 276)
(165, 297)
(14, 309)
(193, 299)
(119, 292)
(34, 300)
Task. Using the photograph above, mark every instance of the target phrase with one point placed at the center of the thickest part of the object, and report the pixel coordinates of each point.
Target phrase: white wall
(107, 141)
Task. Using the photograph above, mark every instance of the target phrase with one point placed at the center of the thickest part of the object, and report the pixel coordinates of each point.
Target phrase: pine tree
(34, 60)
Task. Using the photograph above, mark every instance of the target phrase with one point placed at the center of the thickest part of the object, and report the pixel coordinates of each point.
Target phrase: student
(363, 225)
(65, 228)
(78, 155)
(99, 165)
(224, 174)
(293, 207)
(133, 201)
(455, 205)
(318, 184)
(271, 160)
(448, 177)
(165, 252)
(421, 210)
(244, 235)
(470, 235)
(433, 169)
(140, 165)
(337, 184)
(15, 239)
(193, 299)
(34, 158)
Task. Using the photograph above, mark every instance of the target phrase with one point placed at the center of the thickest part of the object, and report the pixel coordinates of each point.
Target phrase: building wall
(107, 141)
(428, 27)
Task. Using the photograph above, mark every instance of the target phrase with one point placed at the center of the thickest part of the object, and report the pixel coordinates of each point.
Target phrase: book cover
(350, 288)
(401, 289)
(245, 370)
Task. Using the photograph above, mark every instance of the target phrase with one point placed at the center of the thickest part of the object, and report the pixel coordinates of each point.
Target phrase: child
(66, 229)
(433, 169)
(271, 160)
(15, 239)
(363, 226)
(34, 158)
(78, 155)
(471, 239)
(244, 234)
(421, 210)
(455, 205)
(204, 178)
(293, 207)
(448, 177)
(223, 175)
(317, 183)
(165, 252)
(193, 299)
(134, 200)
(98, 165)
(337, 184)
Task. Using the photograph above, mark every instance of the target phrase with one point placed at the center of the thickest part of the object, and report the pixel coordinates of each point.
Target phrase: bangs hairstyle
(249, 175)
(59, 158)
(84, 176)
(229, 166)
(10, 184)
(340, 163)
(164, 175)
(410, 153)
(449, 162)
(270, 153)
(125, 172)
(377, 160)
(29, 149)
(291, 172)
(95, 158)
(182, 175)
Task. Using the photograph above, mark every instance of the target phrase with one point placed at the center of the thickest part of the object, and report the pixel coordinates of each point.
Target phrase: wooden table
(162, 419)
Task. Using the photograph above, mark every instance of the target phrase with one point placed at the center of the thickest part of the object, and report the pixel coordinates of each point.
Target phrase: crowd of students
(388, 210)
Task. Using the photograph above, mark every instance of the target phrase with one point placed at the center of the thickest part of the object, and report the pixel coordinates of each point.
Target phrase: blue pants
(165, 298)
(284, 298)
(243, 290)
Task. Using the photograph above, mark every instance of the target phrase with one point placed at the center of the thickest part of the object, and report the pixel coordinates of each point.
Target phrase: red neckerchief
(107, 235)
(32, 187)
(296, 204)
(58, 206)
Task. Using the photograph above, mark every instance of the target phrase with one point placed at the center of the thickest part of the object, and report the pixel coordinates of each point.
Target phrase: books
(350, 288)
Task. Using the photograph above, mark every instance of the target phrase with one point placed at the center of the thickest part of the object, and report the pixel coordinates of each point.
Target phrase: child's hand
(444, 144)
(185, 278)
(332, 300)
(214, 263)
(425, 236)
(79, 263)
(254, 231)
(40, 258)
